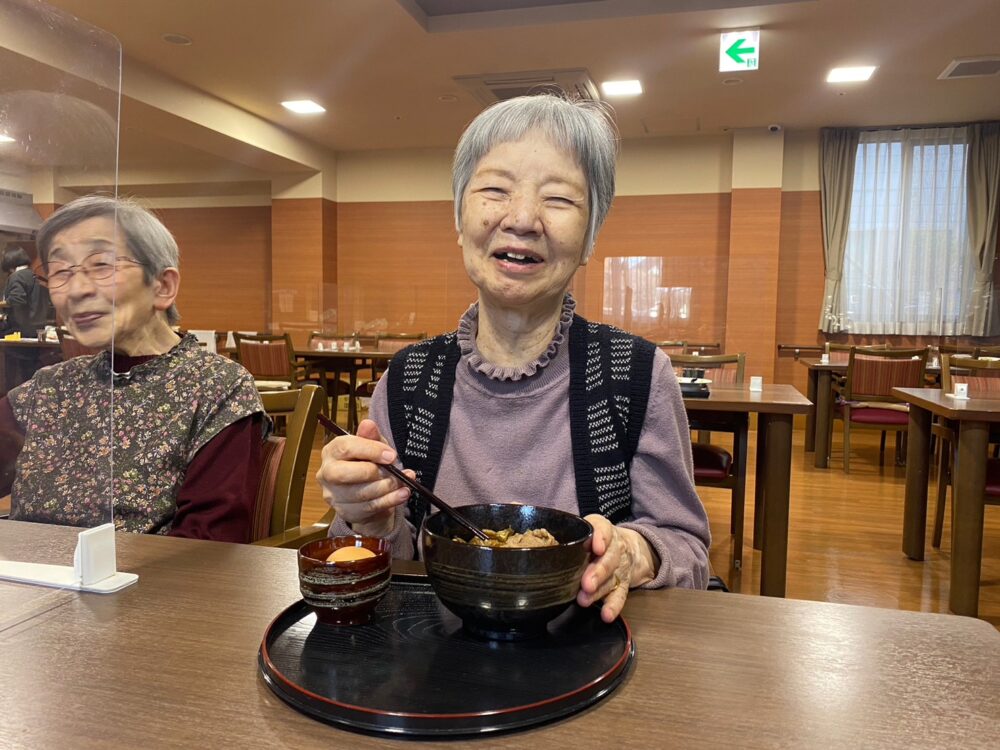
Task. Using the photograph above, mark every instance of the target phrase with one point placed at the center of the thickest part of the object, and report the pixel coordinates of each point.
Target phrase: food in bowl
(510, 538)
(506, 593)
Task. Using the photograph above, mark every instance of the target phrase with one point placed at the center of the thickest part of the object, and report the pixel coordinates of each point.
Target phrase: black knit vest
(610, 374)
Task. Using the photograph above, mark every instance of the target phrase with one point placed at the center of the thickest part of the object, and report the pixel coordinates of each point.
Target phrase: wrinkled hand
(620, 558)
(353, 485)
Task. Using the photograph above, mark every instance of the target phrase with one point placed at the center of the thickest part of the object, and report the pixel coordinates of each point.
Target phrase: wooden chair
(865, 398)
(71, 347)
(983, 379)
(269, 357)
(714, 466)
(278, 510)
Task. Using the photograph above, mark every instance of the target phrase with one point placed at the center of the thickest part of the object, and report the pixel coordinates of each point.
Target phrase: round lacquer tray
(413, 670)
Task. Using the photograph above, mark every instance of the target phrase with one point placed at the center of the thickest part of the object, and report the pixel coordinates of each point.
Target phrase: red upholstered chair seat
(993, 478)
(711, 461)
(875, 415)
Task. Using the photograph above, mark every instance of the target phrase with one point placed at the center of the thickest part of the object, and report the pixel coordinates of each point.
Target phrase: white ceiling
(381, 75)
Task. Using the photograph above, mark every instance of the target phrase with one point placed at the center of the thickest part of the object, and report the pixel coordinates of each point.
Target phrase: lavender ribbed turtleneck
(509, 440)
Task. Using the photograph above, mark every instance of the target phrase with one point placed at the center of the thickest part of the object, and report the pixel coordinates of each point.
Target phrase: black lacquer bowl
(505, 593)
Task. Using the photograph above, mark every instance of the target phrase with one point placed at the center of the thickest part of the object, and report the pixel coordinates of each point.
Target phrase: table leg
(967, 530)
(824, 414)
(774, 553)
(352, 401)
(758, 484)
(811, 416)
(915, 499)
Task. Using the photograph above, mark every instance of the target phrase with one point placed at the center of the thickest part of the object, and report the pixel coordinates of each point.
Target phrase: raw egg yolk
(349, 554)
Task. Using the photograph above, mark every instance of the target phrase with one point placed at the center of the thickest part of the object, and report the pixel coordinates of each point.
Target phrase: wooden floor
(845, 536)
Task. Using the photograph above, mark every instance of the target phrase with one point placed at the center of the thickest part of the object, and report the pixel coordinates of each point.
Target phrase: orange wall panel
(690, 233)
(399, 267)
(297, 274)
(752, 299)
(800, 280)
(225, 266)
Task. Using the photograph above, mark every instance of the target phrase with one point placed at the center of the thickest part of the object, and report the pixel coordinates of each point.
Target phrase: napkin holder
(94, 566)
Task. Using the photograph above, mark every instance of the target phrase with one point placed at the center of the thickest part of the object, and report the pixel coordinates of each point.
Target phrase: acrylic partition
(60, 95)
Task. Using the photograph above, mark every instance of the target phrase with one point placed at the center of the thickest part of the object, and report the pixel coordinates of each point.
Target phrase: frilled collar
(468, 328)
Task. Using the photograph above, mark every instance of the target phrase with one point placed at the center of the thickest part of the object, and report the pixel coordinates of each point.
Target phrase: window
(907, 265)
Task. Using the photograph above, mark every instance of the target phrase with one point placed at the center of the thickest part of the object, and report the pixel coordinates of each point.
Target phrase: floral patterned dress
(90, 448)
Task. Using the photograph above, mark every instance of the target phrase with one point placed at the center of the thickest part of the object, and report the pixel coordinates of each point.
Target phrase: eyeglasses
(98, 267)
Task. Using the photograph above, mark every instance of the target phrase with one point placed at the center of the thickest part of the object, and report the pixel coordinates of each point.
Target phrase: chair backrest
(985, 351)
(671, 347)
(969, 349)
(266, 355)
(981, 375)
(872, 372)
(719, 368)
(702, 349)
(286, 460)
(71, 347)
(842, 352)
(393, 342)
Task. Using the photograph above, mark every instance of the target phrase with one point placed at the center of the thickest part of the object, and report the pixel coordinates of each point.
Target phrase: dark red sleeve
(11, 440)
(217, 498)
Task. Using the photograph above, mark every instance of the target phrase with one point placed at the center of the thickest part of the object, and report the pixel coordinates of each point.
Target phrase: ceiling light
(303, 107)
(179, 39)
(6, 139)
(732, 81)
(846, 75)
(621, 88)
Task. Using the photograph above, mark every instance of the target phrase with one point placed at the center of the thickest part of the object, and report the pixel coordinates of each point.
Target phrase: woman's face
(524, 221)
(92, 309)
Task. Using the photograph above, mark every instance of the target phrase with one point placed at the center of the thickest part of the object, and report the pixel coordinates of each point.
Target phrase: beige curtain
(983, 179)
(838, 152)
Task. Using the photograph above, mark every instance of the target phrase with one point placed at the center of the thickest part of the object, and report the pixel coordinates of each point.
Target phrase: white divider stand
(94, 566)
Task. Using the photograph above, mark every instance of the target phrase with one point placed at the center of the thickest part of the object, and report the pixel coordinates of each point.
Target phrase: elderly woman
(526, 401)
(179, 427)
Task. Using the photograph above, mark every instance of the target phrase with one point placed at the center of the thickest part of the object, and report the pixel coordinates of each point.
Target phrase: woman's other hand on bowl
(354, 485)
(620, 560)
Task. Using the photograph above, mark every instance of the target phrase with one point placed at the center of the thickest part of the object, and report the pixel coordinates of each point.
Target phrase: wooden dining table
(20, 344)
(334, 363)
(171, 662)
(775, 406)
(973, 417)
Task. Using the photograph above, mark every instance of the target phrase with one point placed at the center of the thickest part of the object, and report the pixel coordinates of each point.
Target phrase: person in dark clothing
(29, 306)
(28, 309)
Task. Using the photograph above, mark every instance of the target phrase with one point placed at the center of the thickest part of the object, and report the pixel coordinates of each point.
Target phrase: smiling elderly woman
(526, 401)
(184, 438)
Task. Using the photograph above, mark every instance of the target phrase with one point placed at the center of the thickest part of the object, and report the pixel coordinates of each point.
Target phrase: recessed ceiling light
(179, 39)
(6, 139)
(732, 81)
(303, 107)
(621, 88)
(847, 75)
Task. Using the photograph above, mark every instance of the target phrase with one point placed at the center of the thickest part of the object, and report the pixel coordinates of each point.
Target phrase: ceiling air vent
(971, 67)
(489, 88)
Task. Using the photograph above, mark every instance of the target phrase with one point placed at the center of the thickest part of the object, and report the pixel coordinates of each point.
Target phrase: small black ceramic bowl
(504, 593)
(344, 593)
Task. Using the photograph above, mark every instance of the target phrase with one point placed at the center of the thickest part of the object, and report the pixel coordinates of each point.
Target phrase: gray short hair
(148, 240)
(584, 128)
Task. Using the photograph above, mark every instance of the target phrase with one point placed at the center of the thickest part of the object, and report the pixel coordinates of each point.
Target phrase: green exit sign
(739, 50)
